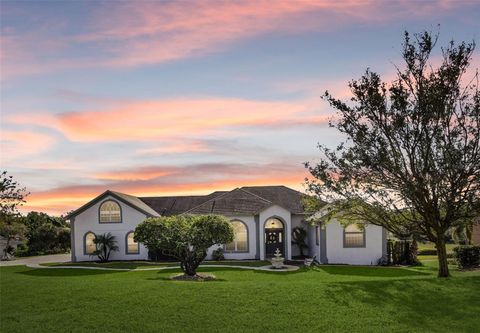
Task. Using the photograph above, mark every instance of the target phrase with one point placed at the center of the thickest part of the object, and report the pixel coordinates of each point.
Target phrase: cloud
(167, 119)
(21, 144)
(168, 180)
(129, 34)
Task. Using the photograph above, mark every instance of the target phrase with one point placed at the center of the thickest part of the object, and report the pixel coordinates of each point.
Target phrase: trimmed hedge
(467, 256)
(427, 252)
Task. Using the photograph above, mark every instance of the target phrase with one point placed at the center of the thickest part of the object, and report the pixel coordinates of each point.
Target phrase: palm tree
(105, 243)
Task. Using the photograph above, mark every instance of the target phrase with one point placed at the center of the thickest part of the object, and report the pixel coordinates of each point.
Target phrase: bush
(401, 252)
(427, 252)
(22, 250)
(218, 254)
(185, 237)
(467, 256)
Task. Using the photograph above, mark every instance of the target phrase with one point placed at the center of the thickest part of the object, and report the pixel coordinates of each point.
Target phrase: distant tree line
(39, 233)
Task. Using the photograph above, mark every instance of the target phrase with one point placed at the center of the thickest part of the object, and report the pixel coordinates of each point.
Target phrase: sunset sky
(175, 97)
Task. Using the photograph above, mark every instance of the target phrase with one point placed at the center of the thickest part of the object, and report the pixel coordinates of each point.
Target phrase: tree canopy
(184, 237)
(411, 159)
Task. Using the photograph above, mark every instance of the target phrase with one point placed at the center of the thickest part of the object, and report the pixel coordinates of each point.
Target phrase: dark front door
(274, 239)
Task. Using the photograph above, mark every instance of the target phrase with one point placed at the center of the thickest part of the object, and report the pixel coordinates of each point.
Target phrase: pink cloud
(125, 34)
(170, 119)
(169, 180)
(20, 144)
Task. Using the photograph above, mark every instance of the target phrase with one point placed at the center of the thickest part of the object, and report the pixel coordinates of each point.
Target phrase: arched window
(110, 212)
(132, 246)
(240, 242)
(89, 244)
(354, 236)
(273, 223)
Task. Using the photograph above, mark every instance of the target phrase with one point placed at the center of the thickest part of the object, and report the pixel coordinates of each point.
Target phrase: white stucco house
(262, 216)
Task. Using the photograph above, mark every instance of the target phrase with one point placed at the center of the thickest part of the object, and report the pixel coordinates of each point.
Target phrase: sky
(156, 98)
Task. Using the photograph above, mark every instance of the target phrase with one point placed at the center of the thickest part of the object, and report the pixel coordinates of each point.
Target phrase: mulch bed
(199, 277)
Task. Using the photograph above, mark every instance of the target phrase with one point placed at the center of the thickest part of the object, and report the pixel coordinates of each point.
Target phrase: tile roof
(280, 195)
(236, 202)
(247, 200)
(175, 205)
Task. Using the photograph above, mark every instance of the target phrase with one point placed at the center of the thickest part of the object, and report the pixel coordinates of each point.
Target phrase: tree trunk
(189, 267)
(442, 257)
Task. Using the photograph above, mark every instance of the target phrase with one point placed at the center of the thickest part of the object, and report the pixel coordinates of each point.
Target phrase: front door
(274, 239)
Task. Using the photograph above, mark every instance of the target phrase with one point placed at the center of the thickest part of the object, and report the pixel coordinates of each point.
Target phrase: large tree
(12, 196)
(185, 237)
(411, 159)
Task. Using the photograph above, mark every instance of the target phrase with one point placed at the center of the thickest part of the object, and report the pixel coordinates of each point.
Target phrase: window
(110, 212)
(132, 246)
(90, 245)
(354, 236)
(273, 223)
(317, 235)
(240, 242)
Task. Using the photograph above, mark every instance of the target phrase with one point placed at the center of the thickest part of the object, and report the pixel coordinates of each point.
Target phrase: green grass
(324, 299)
(431, 246)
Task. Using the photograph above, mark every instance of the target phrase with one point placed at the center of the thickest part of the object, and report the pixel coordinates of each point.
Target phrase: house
(262, 217)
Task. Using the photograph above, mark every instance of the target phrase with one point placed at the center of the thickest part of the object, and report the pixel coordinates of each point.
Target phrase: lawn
(324, 299)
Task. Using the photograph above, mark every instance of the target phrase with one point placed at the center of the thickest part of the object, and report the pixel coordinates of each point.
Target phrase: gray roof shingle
(236, 202)
(246, 200)
(175, 205)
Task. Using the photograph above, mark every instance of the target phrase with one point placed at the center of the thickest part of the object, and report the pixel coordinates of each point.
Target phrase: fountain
(277, 261)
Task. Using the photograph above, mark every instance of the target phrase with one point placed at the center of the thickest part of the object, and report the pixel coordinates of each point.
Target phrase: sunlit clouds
(187, 97)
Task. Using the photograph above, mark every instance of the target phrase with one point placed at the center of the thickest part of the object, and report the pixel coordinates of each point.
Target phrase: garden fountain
(277, 261)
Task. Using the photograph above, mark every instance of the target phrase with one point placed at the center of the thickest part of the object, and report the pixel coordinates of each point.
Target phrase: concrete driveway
(37, 260)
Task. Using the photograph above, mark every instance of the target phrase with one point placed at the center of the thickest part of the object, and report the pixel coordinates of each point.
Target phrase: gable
(129, 200)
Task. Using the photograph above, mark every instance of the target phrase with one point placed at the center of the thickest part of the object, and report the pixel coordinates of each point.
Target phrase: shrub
(401, 252)
(106, 244)
(427, 252)
(467, 256)
(185, 237)
(22, 250)
(218, 254)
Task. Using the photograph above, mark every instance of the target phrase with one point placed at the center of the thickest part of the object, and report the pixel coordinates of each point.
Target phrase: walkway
(37, 260)
(287, 268)
(34, 262)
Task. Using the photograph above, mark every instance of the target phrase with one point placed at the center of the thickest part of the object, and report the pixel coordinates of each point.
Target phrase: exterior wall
(252, 240)
(313, 247)
(88, 220)
(368, 255)
(285, 216)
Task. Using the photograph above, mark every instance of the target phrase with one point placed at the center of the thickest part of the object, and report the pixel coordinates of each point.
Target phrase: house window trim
(364, 243)
(126, 244)
(85, 243)
(100, 207)
(248, 240)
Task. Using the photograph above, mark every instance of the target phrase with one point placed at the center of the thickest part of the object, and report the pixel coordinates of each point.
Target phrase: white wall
(313, 247)
(367, 255)
(252, 240)
(88, 221)
(285, 216)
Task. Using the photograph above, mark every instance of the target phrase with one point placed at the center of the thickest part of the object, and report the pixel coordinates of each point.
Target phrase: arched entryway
(274, 237)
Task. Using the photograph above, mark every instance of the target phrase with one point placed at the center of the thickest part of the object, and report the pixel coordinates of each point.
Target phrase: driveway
(37, 260)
